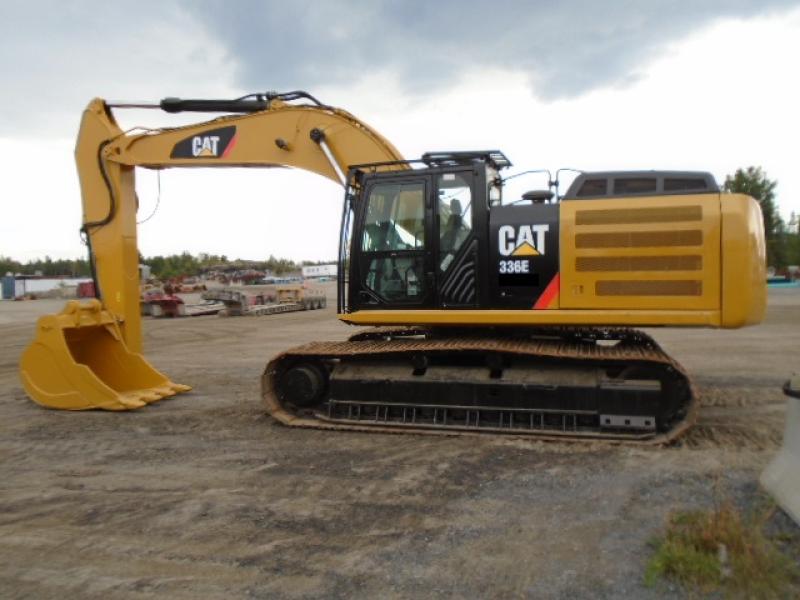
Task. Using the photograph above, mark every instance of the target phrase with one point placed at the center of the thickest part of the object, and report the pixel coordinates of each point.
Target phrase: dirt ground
(204, 496)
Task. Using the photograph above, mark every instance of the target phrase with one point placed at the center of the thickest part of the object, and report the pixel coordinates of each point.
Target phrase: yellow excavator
(491, 314)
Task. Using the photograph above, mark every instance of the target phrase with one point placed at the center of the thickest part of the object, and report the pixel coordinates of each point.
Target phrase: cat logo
(522, 240)
(206, 145)
(214, 143)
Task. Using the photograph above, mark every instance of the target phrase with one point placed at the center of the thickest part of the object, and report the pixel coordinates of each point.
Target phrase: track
(565, 383)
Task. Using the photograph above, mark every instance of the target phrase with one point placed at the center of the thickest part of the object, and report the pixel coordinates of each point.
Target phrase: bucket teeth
(130, 401)
(178, 388)
(150, 396)
(139, 398)
(164, 391)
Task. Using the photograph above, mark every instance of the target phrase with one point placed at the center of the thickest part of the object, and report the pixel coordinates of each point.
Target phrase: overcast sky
(593, 85)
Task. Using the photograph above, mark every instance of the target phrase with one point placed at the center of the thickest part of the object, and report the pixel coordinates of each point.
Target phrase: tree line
(162, 267)
(78, 267)
(783, 239)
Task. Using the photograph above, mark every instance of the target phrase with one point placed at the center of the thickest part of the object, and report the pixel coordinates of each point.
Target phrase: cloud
(56, 56)
(566, 48)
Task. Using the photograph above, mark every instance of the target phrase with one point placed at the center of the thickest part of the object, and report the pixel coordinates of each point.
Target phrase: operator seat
(455, 224)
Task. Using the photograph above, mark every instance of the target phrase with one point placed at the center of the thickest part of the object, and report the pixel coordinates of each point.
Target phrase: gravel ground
(204, 496)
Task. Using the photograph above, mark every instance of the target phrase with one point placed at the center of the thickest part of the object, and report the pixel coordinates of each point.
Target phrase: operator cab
(436, 236)
(415, 241)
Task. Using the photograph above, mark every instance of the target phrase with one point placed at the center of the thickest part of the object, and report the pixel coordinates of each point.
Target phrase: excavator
(489, 314)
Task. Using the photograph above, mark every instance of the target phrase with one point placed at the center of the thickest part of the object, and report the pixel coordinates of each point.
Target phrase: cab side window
(395, 217)
(455, 216)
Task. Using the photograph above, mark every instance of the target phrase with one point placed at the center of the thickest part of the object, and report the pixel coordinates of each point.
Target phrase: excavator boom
(314, 138)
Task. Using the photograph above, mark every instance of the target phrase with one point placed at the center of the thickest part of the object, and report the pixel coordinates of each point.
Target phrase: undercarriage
(555, 383)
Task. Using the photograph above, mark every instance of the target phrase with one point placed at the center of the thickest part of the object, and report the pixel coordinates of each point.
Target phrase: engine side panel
(657, 253)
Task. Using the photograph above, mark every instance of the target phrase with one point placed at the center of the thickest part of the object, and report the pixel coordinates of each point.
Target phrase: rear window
(634, 185)
(674, 184)
(593, 187)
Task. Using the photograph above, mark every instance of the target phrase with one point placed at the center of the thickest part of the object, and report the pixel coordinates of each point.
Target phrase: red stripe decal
(230, 146)
(549, 293)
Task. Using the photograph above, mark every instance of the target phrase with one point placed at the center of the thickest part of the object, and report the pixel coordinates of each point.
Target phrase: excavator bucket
(79, 361)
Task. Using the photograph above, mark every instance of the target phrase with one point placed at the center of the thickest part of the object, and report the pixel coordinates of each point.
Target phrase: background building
(314, 271)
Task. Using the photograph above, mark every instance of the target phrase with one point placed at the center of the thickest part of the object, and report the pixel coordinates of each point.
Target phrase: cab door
(392, 254)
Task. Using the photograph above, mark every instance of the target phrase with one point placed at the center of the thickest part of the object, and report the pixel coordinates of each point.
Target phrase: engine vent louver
(681, 250)
(681, 262)
(639, 239)
(629, 216)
